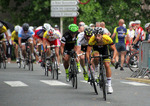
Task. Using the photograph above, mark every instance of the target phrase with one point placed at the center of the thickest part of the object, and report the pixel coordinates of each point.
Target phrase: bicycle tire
(4, 63)
(19, 63)
(55, 69)
(132, 60)
(102, 84)
(31, 59)
(75, 75)
(0, 61)
(92, 80)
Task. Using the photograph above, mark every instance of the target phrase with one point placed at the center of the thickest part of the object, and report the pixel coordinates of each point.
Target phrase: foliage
(36, 12)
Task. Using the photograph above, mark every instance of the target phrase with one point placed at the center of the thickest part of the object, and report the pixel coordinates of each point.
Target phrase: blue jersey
(25, 35)
(121, 33)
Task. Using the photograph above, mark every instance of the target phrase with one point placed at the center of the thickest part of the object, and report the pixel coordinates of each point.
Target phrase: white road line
(54, 83)
(16, 83)
(135, 83)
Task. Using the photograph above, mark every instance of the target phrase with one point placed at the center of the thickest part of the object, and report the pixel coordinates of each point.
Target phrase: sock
(66, 71)
(109, 81)
(78, 65)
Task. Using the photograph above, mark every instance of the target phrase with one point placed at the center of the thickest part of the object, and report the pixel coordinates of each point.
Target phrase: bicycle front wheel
(102, 84)
(92, 80)
(55, 69)
(133, 62)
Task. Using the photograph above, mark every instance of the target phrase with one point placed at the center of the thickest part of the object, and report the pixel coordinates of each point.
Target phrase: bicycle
(20, 58)
(101, 81)
(133, 60)
(73, 70)
(2, 55)
(91, 78)
(51, 63)
(28, 59)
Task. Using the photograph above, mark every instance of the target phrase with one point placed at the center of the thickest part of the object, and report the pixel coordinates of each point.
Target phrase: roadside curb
(139, 80)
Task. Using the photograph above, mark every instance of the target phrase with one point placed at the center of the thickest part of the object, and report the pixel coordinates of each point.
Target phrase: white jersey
(81, 41)
(131, 33)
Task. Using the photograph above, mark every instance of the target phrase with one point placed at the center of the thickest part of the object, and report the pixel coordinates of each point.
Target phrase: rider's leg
(66, 65)
(108, 75)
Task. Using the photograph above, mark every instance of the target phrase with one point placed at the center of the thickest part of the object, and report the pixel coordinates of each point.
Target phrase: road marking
(54, 83)
(16, 83)
(135, 83)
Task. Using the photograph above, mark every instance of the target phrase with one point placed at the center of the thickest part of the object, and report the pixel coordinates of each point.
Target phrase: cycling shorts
(55, 42)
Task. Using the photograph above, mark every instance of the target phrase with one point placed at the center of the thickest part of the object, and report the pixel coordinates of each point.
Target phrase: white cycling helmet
(51, 31)
(137, 22)
(17, 27)
(131, 22)
(47, 26)
(31, 27)
(147, 25)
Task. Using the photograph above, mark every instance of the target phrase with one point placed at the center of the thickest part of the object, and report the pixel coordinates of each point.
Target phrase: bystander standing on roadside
(120, 33)
(102, 24)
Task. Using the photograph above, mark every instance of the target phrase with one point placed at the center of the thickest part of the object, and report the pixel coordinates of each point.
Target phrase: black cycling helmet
(88, 31)
(1, 25)
(98, 30)
(25, 26)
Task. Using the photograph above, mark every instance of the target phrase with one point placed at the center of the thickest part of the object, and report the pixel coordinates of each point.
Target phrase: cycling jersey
(121, 33)
(81, 41)
(139, 31)
(3, 29)
(69, 41)
(14, 36)
(25, 35)
(52, 37)
(39, 32)
(105, 39)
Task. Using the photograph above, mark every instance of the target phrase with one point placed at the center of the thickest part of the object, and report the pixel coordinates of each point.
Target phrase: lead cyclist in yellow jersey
(99, 43)
(3, 30)
(14, 39)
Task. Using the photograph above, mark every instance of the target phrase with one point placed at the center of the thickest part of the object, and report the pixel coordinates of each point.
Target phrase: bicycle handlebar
(100, 56)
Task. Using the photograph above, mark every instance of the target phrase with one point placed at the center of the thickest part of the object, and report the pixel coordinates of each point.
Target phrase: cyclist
(68, 42)
(147, 27)
(3, 30)
(25, 34)
(99, 43)
(51, 37)
(81, 46)
(38, 36)
(14, 39)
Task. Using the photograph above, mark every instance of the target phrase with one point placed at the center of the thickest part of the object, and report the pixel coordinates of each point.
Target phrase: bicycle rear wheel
(92, 80)
(133, 62)
(4, 63)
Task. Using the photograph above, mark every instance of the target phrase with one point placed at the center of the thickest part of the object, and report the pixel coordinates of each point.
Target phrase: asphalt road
(20, 87)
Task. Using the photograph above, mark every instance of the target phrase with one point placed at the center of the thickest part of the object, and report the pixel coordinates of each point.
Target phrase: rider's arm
(7, 36)
(19, 41)
(44, 43)
(136, 39)
(62, 48)
(88, 51)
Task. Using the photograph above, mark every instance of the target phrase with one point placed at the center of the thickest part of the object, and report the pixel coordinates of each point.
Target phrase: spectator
(98, 24)
(120, 33)
(102, 24)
